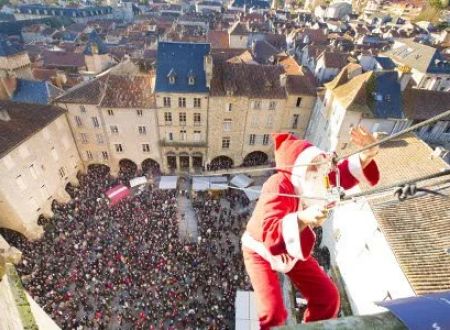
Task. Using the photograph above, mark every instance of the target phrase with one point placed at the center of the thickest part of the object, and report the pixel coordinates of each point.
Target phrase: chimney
(4, 115)
(404, 78)
(283, 78)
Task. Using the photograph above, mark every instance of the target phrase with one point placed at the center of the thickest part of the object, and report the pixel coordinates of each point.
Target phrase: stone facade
(35, 173)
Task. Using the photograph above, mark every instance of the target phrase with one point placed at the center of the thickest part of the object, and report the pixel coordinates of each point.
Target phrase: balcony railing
(167, 143)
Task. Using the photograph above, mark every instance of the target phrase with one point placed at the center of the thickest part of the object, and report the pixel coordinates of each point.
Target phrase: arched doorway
(98, 169)
(220, 163)
(71, 190)
(197, 161)
(151, 167)
(127, 166)
(171, 161)
(255, 158)
(184, 161)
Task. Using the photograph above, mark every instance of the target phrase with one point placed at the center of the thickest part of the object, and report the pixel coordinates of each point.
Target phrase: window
(33, 171)
(182, 117)
(168, 117)
(62, 171)
(197, 136)
(197, 119)
(294, 121)
(191, 81)
(20, 183)
(256, 105)
(252, 139)
(183, 135)
(114, 129)
(99, 138)
(105, 155)
(166, 101)
(225, 143)
(172, 80)
(78, 121)
(269, 122)
(84, 138)
(299, 102)
(118, 147)
(227, 125)
(110, 112)
(145, 147)
(272, 105)
(89, 155)
(265, 139)
(82, 108)
(142, 130)
(139, 113)
(95, 122)
(197, 102)
(228, 107)
(170, 136)
(182, 102)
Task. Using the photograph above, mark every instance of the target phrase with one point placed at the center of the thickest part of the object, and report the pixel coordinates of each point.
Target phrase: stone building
(113, 118)
(249, 102)
(14, 61)
(38, 158)
(183, 77)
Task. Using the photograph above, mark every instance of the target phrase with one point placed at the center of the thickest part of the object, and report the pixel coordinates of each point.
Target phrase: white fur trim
(355, 168)
(276, 262)
(291, 235)
(305, 157)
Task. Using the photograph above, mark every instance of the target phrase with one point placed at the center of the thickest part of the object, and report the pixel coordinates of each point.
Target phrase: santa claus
(279, 235)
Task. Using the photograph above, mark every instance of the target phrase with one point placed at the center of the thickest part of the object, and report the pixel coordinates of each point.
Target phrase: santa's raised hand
(362, 138)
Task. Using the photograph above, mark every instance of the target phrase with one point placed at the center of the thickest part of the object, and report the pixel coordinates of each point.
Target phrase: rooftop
(25, 121)
(181, 61)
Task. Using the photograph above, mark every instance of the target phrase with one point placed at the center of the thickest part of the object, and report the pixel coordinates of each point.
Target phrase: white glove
(314, 216)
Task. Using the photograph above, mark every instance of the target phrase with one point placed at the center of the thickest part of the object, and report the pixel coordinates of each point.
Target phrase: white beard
(314, 186)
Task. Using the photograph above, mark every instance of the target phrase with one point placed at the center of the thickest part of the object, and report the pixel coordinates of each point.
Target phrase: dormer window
(191, 78)
(171, 76)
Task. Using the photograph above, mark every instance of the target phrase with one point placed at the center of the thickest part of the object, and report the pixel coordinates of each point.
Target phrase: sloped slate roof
(422, 104)
(128, 92)
(37, 92)
(254, 81)
(89, 92)
(7, 48)
(26, 120)
(181, 58)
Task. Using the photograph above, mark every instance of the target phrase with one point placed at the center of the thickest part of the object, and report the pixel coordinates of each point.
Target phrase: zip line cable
(397, 184)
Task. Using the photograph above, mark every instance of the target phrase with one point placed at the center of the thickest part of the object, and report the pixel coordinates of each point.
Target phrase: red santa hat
(290, 152)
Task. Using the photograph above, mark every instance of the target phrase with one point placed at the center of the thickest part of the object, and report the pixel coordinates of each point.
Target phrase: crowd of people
(124, 267)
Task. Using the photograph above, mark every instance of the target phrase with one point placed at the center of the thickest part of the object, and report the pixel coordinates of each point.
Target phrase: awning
(204, 183)
(138, 181)
(218, 183)
(253, 192)
(200, 183)
(117, 193)
(241, 181)
(246, 317)
(168, 182)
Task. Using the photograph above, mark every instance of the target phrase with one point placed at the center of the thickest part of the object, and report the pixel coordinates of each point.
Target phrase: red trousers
(307, 276)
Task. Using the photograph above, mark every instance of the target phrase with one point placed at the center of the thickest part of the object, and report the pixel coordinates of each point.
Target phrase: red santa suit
(273, 231)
